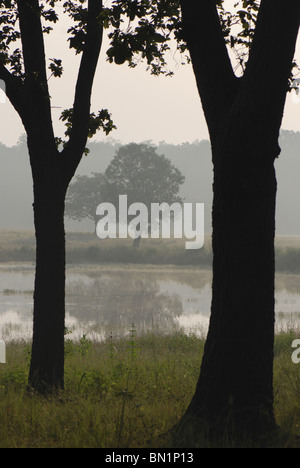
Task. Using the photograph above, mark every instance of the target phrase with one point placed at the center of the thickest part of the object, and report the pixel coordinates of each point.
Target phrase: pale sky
(142, 106)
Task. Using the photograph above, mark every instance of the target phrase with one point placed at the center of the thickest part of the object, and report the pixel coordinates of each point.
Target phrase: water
(105, 301)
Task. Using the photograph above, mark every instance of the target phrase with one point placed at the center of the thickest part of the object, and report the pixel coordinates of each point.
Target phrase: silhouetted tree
(243, 114)
(54, 161)
(25, 75)
(244, 117)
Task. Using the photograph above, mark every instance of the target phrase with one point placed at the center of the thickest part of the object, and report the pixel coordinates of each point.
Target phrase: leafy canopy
(50, 12)
(138, 30)
(143, 175)
(152, 30)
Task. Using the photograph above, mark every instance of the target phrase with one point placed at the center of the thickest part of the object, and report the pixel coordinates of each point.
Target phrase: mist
(192, 159)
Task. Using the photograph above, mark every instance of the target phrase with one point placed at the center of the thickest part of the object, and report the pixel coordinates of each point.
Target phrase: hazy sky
(143, 107)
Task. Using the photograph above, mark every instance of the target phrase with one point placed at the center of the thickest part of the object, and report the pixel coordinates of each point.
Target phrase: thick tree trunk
(234, 393)
(47, 361)
(235, 388)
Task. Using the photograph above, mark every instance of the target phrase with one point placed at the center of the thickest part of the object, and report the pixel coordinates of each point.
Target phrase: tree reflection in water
(113, 303)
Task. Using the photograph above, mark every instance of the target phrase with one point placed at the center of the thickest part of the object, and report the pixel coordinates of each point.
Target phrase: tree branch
(35, 68)
(82, 103)
(32, 38)
(214, 74)
(269, 67)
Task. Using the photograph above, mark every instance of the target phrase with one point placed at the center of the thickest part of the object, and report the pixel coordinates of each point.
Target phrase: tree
(136, 171)
(25, 75)
(54, 161)
(243, 114)
(244, 118)
(144, 176)
(84, 195)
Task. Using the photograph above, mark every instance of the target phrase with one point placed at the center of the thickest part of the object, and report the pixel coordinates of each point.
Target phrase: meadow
(127, 394)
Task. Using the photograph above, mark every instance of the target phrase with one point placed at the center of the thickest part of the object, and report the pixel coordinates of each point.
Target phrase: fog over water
(104, 301)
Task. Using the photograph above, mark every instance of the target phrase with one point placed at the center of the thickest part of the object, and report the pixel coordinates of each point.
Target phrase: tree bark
(47, 360)
(235, 387)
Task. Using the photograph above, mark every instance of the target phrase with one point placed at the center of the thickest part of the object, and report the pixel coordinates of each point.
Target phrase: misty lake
(109, 300)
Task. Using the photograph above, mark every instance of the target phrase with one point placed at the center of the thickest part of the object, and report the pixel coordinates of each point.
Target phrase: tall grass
(119, 393)
(123, 393)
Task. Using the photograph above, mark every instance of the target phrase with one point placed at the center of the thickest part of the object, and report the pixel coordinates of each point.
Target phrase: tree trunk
(47, 361)
(235, 388)
(234, 393)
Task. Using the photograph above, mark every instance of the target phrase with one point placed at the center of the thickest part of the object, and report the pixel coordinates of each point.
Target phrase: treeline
(287, 259)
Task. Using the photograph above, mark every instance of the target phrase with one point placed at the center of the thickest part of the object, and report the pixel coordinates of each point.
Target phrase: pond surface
(109, 300)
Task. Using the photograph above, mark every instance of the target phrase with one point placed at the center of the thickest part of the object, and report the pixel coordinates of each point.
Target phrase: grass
(19, 246)
(118, 393)
(123, 393)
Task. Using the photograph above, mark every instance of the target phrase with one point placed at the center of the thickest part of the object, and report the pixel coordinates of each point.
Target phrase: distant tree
(144, 176)
(84, 195)
(136, 171)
